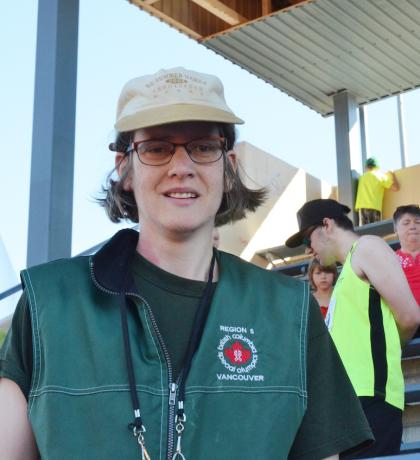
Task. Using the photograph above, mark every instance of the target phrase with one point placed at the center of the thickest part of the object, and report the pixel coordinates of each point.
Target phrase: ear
(232, 161)
(232, 157)
(328, 224)
(121, 165)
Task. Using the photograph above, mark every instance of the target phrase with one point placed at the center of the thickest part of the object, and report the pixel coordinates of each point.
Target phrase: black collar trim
(111, 265)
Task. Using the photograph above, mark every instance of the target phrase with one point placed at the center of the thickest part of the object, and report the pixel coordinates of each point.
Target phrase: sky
(117, 41)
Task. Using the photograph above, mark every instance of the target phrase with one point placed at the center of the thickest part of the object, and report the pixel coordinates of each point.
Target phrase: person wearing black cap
(371, 312)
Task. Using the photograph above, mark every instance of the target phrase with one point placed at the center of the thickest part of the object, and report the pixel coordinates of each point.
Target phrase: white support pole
(347, 139)
(401, 129)
(51, 190)
(364, 133)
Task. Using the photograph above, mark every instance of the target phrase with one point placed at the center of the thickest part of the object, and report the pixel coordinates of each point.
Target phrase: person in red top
(407, 226)
(322, 280)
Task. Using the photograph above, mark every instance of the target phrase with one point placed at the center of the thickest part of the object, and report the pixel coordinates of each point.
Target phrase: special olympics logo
(237, 353)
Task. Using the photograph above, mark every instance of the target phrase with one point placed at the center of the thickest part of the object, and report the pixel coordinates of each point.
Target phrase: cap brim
(295, 240)
(173, 114)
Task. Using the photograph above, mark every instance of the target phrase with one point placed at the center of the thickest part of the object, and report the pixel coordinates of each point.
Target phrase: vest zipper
(172, 385)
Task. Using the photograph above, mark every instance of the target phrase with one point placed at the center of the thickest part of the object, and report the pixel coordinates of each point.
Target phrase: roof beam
(147, 6)
(222, 11)
(266, 7)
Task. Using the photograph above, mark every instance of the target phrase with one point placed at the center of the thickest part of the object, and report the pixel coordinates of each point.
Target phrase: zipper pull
(172, 393)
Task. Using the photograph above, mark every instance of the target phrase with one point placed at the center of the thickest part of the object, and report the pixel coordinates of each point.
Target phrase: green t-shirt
(173, 302)
(331, 421)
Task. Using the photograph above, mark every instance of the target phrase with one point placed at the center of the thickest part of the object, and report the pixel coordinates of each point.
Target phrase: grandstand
(333, 56)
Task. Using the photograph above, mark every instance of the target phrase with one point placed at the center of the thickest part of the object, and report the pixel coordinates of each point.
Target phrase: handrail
(10, 291)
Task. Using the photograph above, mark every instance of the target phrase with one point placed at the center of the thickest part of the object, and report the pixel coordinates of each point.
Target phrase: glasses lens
(154, 152)
(205, 150)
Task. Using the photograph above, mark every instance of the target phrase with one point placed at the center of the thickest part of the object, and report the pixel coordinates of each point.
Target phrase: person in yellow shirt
(370, 191)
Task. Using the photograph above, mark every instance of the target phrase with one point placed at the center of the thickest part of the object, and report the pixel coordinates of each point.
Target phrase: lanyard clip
(138, 433)
(180, 419)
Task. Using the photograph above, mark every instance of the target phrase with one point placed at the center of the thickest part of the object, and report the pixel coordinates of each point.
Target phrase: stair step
(412, 393)
(412, 349)
(411, 424)
(411, 370)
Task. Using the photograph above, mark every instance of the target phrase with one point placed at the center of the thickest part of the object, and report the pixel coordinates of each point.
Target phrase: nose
(181, 164)
(308, 250)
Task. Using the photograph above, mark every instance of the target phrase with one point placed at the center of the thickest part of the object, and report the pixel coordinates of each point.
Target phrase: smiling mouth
(181, 195)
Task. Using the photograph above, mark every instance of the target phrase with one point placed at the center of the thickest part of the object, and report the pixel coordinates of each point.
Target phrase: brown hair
(412, 209)
(236, 201)
(327, 269)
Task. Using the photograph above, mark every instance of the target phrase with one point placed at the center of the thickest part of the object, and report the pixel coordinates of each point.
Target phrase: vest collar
(111, 264)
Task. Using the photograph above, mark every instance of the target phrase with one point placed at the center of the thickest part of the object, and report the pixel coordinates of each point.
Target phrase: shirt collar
(111, 264)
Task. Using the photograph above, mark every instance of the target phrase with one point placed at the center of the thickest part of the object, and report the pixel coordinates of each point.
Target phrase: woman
(160, 336)
(322, 280)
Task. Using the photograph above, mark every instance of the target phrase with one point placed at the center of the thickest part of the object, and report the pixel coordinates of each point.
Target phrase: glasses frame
(134, 148)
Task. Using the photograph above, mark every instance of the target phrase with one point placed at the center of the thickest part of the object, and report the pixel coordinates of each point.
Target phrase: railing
(12, 290)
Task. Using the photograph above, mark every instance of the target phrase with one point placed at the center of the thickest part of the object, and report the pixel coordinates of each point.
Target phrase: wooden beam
(150, 2)
(143, 5)
(265, 7)
(222, 11)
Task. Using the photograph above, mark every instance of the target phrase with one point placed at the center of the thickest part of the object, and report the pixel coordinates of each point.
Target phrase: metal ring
(179, 427)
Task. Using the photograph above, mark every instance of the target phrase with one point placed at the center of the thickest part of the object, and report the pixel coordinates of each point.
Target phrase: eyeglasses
(306, 240)
(159, 152)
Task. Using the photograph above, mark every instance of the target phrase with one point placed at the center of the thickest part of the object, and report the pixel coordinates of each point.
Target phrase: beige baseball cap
(170, 96)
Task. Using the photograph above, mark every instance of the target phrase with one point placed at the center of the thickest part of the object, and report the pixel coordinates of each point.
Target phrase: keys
(138, 433)
(144, 454)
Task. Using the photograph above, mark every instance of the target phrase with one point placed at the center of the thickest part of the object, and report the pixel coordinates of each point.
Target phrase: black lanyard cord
(197, 332)
(129, 362)
(194, 341)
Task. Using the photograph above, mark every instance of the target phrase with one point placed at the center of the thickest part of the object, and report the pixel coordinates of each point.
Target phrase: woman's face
(322, 280)
(408, 231)
(181, 196)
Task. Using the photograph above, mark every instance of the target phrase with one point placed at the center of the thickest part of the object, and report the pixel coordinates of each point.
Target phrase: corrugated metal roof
(368, 47)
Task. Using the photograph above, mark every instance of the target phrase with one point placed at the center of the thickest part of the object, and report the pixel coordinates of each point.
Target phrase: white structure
(289, 188)
(8, 279)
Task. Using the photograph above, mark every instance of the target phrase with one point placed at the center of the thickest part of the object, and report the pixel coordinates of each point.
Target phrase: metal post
(51, 190)
(364, 142)
(403, 146)
(347, 138)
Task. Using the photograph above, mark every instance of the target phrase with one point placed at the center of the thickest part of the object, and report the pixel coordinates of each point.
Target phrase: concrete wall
(409, 193)
(289, 188)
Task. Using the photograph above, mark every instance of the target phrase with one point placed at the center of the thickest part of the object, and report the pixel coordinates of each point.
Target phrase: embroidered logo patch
(238, 354)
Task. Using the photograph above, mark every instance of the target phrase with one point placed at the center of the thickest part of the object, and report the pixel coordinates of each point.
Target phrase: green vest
(366, 336)
(245, 380)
